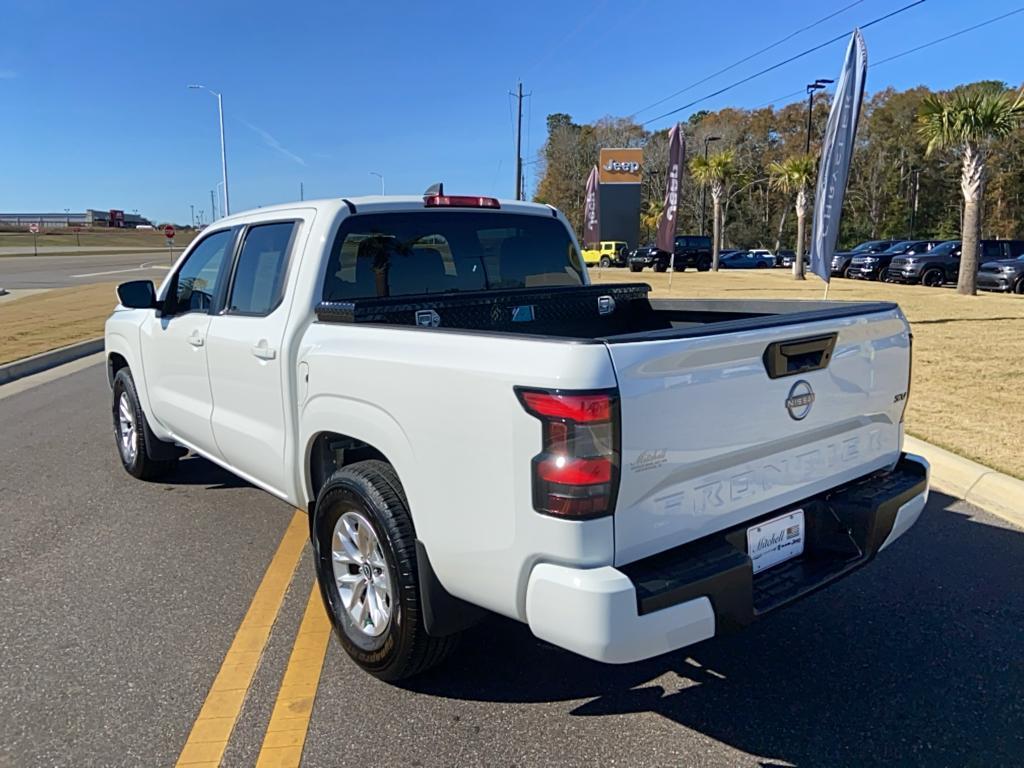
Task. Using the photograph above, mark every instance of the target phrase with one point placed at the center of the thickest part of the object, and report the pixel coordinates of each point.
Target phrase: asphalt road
(62, 271)
(119, 599)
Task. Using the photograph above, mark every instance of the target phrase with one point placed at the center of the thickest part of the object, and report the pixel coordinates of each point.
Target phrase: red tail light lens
(576, 475)
(460, 201)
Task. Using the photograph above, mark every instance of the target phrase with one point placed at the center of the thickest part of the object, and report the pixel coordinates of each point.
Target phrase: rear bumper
(707, 587)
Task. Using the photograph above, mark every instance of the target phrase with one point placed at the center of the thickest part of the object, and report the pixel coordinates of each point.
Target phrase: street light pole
(223, 147)
(381, 177)
(192, 208)
(817, 85)
(704, 189)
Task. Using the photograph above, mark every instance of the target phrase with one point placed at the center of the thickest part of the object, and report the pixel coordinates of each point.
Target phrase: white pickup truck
(473, 427)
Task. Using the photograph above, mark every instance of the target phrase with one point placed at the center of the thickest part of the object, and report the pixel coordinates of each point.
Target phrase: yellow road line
(212, 728)
(289, 722)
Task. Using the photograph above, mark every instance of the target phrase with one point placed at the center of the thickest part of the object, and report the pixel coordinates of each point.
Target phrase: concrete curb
(975, 483)
(46, 360)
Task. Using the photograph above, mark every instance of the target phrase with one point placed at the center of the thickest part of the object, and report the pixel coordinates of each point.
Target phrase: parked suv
(841, 259)
(691, 251)
(941, 264)
(873, 266)
(606, 253)
(1003, 275)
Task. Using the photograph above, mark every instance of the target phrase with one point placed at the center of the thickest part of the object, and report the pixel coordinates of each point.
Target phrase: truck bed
(600, 313)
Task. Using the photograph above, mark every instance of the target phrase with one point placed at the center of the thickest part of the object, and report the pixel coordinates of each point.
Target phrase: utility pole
(192, 208)
(302, 191)
(519, 140)
(213, 206)
(817, 85)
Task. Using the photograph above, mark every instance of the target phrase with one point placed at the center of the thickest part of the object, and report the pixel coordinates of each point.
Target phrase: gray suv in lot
(941, 264)
(1006, 275)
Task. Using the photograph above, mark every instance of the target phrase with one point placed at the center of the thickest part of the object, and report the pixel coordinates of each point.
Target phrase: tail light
(576, 475)
(435, 197)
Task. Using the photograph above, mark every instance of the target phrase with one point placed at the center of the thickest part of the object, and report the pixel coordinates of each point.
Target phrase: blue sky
(96, 112)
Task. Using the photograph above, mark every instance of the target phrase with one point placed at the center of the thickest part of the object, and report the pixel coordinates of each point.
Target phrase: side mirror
(138, 294)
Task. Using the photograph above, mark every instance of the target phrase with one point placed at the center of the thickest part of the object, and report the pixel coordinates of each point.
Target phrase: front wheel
(367, 569)
(1019, 287)
(660, 267)
(635, 268)
(130, 429)
(933, 278)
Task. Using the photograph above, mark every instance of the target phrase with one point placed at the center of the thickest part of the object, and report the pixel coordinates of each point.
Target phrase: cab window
(261, 268)
(196, 283)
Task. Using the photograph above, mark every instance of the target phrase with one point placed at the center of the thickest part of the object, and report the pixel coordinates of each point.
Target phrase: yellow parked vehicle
(607, 253)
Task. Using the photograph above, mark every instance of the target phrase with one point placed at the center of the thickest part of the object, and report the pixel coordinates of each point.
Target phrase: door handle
(195, 339)
(262, 351)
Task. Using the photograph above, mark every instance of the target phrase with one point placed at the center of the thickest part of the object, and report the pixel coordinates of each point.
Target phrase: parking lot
(121, 600)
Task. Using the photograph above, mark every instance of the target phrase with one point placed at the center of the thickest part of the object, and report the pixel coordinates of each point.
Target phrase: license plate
(777, 540)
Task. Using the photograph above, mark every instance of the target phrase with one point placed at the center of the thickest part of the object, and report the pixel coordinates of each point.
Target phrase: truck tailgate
(709, 439)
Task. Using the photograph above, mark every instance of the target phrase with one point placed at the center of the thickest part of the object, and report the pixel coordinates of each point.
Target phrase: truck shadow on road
(915, 660)
(195, 470)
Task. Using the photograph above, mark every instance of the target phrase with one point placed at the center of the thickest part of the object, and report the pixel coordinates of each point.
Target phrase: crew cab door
(247, 365)
(173, 343)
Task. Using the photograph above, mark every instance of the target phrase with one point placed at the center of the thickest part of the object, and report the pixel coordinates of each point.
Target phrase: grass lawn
(967, 393)
(968, 389)
(121, 238)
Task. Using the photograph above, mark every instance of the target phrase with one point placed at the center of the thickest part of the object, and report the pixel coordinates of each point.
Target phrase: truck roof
(382, 203)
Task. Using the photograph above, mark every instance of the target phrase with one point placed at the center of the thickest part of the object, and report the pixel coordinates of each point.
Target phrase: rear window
(409, 253)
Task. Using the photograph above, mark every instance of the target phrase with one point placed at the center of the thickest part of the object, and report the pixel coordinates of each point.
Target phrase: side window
(991, 251)
(262, 265)
(196, 283)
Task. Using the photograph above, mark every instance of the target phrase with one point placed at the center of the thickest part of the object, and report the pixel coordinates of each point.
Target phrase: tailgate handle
(789, 358)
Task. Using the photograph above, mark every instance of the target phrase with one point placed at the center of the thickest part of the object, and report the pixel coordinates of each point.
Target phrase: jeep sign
(621, 166)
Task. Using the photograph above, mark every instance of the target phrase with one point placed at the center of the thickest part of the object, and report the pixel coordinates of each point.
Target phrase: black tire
(704, 265)
(933, 278)
(761, 265)
(605, 262)
(635, 268)
(846, 273)
(132, 451)
(1019, 287)
(403, 649)
(660, 267)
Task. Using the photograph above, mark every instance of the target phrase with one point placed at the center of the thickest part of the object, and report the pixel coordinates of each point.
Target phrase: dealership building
(89, 218)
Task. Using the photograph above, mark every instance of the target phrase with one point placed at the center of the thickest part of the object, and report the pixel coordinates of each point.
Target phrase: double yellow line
(289, 721)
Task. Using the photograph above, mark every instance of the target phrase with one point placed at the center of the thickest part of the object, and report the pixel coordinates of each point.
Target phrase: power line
(909, 51)
(783, 62)
(735, 64)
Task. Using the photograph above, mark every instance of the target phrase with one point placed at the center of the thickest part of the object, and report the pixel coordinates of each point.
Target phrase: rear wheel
(760, 265)
(130, 430)
(1019, 287)
(704, 265)
(606, 262)
(367, 569)
(933, 278)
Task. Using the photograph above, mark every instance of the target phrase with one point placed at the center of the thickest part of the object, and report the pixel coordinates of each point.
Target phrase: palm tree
(968, 121)
(649, 215)
(795, 174)
(714, 173)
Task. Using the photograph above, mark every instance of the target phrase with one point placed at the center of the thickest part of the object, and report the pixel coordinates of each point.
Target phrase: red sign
(169, 232)
(33, 228)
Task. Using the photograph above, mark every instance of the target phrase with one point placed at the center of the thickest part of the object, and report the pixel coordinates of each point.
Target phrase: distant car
(690, 251)
(766, 253)
(873, 266)
(606, 254)
(941, 265)
(841, 259)
(747, 260)
(785, 258)
(1006, 275)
